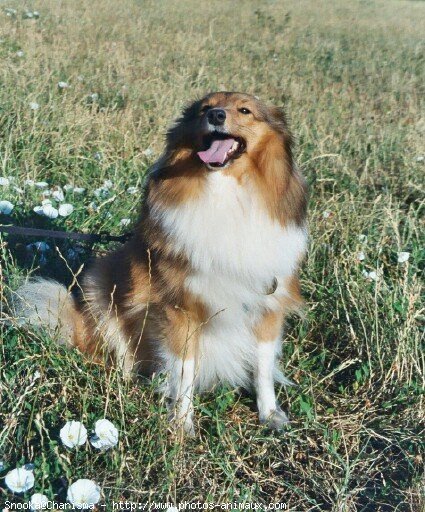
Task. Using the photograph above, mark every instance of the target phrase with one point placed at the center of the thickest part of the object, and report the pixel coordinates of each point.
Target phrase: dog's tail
(46, 303)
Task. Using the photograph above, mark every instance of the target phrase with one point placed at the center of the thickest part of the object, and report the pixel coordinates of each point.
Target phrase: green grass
(351, 77)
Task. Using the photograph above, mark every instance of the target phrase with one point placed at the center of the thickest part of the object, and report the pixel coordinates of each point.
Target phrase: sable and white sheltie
(202, 289)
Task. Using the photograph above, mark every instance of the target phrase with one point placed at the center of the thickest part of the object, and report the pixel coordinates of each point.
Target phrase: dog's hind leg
(182, 336)
(181, 377)
(125, 357)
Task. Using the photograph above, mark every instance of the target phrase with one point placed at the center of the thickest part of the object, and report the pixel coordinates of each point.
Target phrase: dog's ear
(179, 134)
(277, 118)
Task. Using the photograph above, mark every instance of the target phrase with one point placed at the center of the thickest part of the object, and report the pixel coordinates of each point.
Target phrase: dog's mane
(178, 174)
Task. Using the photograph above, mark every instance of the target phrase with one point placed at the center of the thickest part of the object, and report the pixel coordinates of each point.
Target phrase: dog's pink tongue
(216, 153)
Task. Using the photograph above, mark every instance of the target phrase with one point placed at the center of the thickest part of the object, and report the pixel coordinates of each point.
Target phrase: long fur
(48, 303)
(193, 284)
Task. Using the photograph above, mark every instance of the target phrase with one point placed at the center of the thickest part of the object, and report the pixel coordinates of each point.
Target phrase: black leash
(102, 237)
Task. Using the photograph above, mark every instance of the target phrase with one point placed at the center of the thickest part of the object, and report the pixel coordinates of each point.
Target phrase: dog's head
(226, 127)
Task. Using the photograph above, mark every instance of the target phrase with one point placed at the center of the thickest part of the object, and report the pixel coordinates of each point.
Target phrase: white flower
(73, 434)
(41, 246)
(29, 183)
(370, 276)
(83, 492)
(402, 257)
(106, 435)
(30, 15)
(65, 209)
(125, 222)
(94, 96)
(46, 201)
(38, 246)
(19, 53)
(41, 184)
(39, 502)
(132, 190)
(101, 192)
(6, 207)
(19, 480)
(361, 256)
(108, 184)
(148, 152)
(63, 85)
(46, 193)
(71, 254)
(58, 194)
(34, 105)
(362, 238)
(420, 158)
(36, 375)
(47, 210)
(4, 182)
(50, 211)
(326, 214)
(76, 190)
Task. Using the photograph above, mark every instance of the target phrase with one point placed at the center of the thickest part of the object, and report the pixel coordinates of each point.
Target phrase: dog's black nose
(216, 116)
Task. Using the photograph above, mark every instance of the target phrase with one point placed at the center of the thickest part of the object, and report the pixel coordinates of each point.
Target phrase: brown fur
(141, 286)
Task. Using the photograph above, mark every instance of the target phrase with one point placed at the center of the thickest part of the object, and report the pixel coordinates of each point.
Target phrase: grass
(351, 77)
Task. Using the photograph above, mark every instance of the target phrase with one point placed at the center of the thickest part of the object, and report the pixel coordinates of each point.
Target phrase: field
(87, 92)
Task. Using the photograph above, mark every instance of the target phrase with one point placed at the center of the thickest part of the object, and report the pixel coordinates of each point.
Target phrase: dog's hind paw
(189, 429)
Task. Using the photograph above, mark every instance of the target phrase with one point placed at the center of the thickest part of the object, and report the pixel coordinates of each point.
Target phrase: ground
(87, 92)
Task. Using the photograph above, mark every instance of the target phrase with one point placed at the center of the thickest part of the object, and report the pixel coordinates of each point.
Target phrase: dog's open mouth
(221, 148)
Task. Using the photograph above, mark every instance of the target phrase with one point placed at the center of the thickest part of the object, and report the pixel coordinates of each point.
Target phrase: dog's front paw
(276, 420)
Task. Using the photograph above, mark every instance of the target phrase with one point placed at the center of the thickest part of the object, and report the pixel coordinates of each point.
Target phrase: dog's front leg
(268, 409)
(268, 332)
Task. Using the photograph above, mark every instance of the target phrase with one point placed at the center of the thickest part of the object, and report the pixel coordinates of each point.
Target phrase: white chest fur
(228, 232)
(236, 250)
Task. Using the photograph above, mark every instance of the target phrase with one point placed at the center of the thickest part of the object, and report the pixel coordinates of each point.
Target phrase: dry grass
(351, 77)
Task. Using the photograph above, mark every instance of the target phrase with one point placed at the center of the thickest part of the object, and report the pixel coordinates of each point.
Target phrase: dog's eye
(244, 110)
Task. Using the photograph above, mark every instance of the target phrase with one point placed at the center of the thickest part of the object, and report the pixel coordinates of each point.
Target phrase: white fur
(228, 231)
(180, 386)
(236, 250)
(43, 302)
(107, 324)
(264, 378)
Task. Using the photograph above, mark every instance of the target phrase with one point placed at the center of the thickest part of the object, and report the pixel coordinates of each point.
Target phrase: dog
(202, 290)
